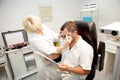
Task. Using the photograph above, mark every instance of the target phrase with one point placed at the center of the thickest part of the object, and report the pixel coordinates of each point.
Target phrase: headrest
(88, 32)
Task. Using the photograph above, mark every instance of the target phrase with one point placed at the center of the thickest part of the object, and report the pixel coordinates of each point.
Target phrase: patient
(41, 40)
(77, 57)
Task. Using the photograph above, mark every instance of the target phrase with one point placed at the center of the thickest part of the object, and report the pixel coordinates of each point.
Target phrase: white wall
(108, 10)
(63, 10)
(12, 13)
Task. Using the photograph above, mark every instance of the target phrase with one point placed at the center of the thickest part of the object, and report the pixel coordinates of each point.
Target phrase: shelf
(28, 73)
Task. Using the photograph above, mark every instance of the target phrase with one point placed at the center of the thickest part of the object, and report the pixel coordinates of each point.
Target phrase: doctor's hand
(52, 56)
(66, 41)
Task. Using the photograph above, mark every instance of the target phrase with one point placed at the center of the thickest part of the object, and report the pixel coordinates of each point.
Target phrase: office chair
(88, 32)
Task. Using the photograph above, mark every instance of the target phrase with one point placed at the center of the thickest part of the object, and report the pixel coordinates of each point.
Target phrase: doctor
(41, 40)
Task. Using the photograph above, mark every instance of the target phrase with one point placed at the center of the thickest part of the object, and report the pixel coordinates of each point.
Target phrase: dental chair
(88, 32)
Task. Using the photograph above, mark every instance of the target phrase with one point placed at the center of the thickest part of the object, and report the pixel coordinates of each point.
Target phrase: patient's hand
(63, 67)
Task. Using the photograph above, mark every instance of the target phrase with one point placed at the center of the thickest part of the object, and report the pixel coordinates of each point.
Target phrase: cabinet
(22, 62)
(5, 71)
(112, 62)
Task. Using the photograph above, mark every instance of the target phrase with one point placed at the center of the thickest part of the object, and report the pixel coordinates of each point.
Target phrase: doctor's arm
(44, 46)
(50, 51)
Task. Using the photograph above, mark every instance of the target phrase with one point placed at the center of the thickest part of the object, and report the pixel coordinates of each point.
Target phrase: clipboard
(49, 59)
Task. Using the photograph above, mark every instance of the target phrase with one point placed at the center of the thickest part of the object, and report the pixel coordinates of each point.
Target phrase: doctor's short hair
(31, 23)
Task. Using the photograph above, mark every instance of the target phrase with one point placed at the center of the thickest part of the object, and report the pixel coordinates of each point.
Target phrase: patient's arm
(77, 70)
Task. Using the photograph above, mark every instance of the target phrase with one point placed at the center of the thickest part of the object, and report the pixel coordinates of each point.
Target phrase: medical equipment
(22, 63)
(15, 39)
(112, 32)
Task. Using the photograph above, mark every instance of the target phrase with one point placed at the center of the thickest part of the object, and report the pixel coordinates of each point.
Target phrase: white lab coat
(43, 44)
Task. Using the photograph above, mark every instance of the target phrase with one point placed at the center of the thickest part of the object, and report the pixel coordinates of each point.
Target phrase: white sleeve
(51, 32)
(86, 58)
(42, 46)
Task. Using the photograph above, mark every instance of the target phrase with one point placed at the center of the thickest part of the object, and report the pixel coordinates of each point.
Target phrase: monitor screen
(14, 37)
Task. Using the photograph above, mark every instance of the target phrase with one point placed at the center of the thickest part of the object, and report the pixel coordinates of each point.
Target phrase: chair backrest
(88, 32)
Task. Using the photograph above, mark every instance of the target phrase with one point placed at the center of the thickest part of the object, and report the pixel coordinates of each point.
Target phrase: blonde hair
(32, 23)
